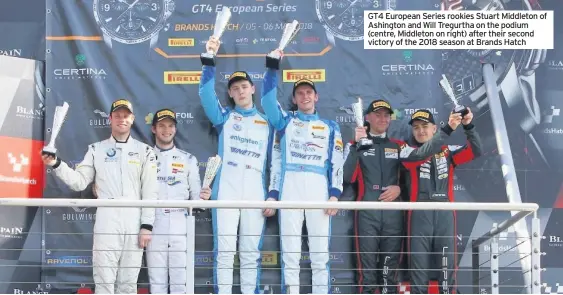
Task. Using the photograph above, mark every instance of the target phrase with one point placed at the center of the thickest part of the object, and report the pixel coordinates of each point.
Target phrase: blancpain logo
(11, 232)
(555, 64)
(11, 52)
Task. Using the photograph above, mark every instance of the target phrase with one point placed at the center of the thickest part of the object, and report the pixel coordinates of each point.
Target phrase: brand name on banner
(182, 77)
(11, 52)
(181, 42)
(315, 75)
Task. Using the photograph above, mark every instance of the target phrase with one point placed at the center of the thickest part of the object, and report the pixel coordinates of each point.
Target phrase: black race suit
(432, 233)
(373, 169)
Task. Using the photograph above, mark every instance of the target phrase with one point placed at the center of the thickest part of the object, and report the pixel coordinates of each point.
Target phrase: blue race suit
(311, 170)
(245, 140)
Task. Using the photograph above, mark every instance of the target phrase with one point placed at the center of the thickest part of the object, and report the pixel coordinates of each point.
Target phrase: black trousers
(431, 243)
(379, 241)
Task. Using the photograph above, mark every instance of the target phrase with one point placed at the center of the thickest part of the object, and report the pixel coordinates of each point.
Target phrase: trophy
(221, 22)
(450, 92)
(58, 120)
(213, 164)
(357, 109)
(290, 30)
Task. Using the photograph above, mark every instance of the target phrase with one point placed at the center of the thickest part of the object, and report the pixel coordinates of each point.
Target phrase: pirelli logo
(315, 75)
(182, 77)
(389, 150)
(181, 42)
(315, 127)
(421, 115)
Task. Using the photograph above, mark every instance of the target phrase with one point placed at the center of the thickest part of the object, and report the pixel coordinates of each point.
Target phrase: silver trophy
(445, 84)
(213, 164)
(58, 120)
(221, 22)
(290, 30)
(358, 110)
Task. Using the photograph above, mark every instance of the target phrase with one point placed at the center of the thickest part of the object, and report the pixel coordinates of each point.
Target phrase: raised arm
(82, 176)
(149, 187)
(209, 100)
(471, 150)
(412, 156)
(274, 111)
(194, 181)
(336, 160)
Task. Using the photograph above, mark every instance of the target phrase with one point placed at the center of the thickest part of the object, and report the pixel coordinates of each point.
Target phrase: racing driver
(311, 170)
(178, 179)
(245, 143)
(432, 233)
(125, 169)
(375, 168)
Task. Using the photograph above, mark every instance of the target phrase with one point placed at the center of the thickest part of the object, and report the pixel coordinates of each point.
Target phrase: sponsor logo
(260, 122)
(306, 157)
(181, 118)
(69, 261)
(78, 214)
(318, 127)
(552, 65)
(315, 75)
(177, 165)
(182, 77)
(181, 42)
(34, 113)
(11, 52)
(21, 175)
(255, 76)
(37, 290)
(13, 232)
(555, 241)
(80, 72)
(101, 121)
(245, 152)
(407, 67)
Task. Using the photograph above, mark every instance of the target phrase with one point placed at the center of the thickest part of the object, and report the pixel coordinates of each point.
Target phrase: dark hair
(292, 106)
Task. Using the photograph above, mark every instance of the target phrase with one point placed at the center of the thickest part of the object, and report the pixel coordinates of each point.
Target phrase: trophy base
(273, 62)
(49, 151)
(461, 110)
(207, 59)
(364, 143)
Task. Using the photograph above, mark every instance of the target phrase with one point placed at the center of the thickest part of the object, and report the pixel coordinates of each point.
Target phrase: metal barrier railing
(528, 249)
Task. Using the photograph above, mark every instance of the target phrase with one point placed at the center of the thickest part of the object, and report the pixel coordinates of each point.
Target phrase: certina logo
(81, 71)
(182, 77)
(101, 121)
(315, 75)
(407, 67)
(11, 52)
(255, 76)
(181, 42)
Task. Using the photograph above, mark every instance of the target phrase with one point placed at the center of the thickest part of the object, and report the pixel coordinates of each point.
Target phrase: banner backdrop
(22, 109)
(100, 50)
(22, 29)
